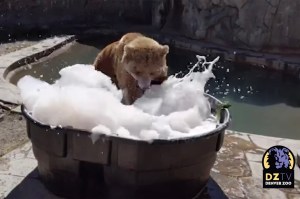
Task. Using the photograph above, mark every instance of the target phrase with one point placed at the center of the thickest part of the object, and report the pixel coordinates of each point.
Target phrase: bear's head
(145, 60)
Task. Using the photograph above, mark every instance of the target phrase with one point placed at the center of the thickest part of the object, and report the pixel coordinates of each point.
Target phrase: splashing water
(86, 99)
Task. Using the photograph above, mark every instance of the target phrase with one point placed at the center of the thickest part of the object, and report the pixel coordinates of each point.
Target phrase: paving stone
(295, 190)
(231, 160)
(8, 92)
(243, 136)
(227, 165)
(297, 186)
(240, 142)
(16, 110)
(256, 169)
(293, 145)
(20, 167)
(293, 196)
(275, 194)
(297, 173)
(8, 183)
(264, 142)
(230, 185)
(252, 188)
(298, 158)
(16, 163)
(30, 154)
(4, 164)
(254, 157)
(20, 152)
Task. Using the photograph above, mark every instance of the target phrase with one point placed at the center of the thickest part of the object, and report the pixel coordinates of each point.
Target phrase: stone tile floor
(238, 170)
(12, 46)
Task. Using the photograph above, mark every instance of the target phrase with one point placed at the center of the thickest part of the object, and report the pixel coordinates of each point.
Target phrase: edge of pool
(11, 61)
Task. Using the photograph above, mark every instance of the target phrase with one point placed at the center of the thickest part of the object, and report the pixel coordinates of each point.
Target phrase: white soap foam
(86, 99)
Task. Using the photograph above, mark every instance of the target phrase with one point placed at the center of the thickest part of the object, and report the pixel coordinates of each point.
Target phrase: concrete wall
(261, 25)
(26, 14)
(271, 25)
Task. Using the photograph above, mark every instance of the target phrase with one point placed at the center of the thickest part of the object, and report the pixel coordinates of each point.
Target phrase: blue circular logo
(278, 158)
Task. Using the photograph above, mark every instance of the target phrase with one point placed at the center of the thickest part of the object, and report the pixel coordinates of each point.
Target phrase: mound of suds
(84, 98)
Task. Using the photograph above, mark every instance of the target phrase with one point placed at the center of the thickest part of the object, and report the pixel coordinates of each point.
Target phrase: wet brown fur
(142, 55)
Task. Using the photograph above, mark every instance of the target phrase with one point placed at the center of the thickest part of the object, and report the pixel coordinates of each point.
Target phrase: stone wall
(27, 14)
(261, 25)
(271, 25)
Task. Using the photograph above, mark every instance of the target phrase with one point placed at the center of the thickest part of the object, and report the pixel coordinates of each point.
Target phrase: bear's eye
(138, 72)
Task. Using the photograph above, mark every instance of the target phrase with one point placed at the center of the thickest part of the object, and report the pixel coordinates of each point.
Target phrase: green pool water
(263, 102)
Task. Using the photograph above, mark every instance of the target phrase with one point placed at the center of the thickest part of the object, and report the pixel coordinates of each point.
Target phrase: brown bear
(134, 63)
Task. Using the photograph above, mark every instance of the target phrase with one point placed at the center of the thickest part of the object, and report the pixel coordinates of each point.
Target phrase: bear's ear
(128, 51)
(165, 50)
